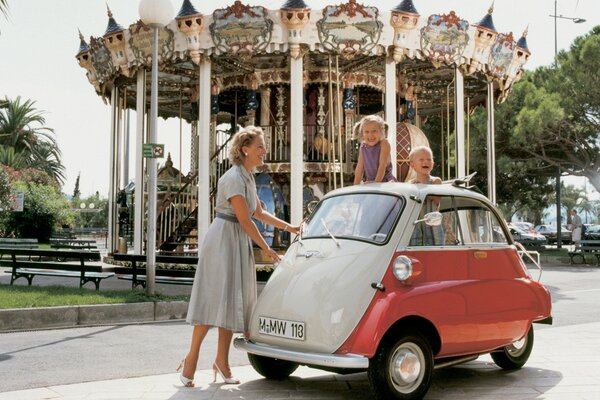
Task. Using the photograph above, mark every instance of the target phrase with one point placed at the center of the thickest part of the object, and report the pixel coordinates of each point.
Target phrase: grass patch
(51, 296)
(554, 252)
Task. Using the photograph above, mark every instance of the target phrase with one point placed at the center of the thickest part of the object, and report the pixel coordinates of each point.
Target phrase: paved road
(43, 358)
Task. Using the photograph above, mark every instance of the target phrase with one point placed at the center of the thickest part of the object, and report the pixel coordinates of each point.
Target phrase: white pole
(139, 163)
(151, 231)
(491, 144)
(204, 150)
(459, 113)
(297, 134)
(390, 108)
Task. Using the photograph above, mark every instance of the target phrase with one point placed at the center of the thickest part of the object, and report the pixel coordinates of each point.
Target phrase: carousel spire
(404, 19)
(189, 22)
(522, 42)
(83, 46)
(187, 9)
(406, 6)
(293, 4)
(488, 21)
(113, 26)
(295, 14)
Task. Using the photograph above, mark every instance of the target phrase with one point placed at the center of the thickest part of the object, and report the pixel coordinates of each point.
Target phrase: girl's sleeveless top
(370, 156)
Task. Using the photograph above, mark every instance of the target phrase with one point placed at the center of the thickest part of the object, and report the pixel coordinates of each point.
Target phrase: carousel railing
(174, 212)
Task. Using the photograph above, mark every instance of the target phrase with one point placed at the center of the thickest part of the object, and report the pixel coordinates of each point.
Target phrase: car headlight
(402, 268)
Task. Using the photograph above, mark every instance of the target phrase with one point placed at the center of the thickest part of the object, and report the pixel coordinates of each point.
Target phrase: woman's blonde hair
(358, 127)
(244, 137)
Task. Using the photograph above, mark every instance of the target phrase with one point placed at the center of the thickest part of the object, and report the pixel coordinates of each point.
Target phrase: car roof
(409, 189)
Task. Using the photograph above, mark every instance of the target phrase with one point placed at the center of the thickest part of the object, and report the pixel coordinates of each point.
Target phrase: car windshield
(363, 216)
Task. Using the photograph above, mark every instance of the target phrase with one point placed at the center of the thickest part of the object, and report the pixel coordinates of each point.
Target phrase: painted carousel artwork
(306, 76)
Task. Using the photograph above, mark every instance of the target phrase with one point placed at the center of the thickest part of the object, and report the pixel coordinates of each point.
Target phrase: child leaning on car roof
(421, 161)
(374, 163)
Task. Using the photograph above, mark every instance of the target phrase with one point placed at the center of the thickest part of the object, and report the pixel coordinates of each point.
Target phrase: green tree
(45, 210)
(5, 193)
(22, 128)
(559, 124)
(76, 191)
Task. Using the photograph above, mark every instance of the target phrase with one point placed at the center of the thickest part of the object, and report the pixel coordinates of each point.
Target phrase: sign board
(153, 150)
(18, 199)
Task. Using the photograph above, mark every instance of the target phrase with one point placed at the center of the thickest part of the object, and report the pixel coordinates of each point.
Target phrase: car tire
(515, 355)
(401, 368)
(272, 368)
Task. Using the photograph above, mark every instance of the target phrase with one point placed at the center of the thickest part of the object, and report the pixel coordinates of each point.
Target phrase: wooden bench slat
(28, 263)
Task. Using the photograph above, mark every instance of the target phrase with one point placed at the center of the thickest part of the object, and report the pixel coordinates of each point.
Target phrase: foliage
(93, 219)
(22, 128)
(44, 211)
(5, 192)
(76, 191)
(559, 124)
(17, 296)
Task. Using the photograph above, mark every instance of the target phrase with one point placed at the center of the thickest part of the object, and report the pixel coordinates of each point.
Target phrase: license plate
(282, 328)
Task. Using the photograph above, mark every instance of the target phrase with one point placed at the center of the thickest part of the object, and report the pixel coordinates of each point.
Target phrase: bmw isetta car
(397, 279)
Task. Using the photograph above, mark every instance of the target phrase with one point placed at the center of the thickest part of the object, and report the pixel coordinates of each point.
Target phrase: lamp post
(155, 14)
(575, 20)
(558, 172)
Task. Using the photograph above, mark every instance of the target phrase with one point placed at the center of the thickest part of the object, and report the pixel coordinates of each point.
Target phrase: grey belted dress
(224, 291)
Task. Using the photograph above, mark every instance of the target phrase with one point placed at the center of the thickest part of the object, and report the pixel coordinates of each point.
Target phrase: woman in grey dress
(224, 291)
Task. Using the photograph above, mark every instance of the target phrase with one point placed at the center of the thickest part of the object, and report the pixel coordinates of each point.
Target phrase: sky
(39, 41)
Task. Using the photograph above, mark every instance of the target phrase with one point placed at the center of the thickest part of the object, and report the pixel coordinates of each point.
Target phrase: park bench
(18, 243)
(76, 244)
(137, 273)
(588, 248)
(28, 263)
(172, 275)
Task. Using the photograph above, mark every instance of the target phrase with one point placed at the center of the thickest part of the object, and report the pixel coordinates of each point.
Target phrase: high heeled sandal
(231, 380)
(187, 382)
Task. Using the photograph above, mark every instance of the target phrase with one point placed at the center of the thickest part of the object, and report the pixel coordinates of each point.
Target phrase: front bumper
(352, 361)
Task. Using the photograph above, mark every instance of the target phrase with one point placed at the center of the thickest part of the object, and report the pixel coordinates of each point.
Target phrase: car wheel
(401, 368)
(272, 368)
(515, 355)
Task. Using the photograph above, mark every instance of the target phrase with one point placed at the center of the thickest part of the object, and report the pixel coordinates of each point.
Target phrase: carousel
(306, 76)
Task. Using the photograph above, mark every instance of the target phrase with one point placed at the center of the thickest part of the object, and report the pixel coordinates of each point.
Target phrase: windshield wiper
(329, 232)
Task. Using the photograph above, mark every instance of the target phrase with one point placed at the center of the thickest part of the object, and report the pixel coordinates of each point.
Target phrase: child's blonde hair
(419, 149)
(358, 127)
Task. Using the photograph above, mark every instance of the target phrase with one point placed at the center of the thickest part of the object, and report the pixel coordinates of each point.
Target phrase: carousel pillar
(391, 107)
(114, 170)
(204, 119)
(459, 117)
(265, 100)
(138, 228)
(297, 135)
(491, 145)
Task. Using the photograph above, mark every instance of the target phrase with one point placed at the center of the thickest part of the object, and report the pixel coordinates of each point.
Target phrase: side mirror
(433, 218)
(310, 207)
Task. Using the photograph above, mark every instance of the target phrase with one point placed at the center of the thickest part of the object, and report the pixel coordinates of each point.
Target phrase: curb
(19, 319)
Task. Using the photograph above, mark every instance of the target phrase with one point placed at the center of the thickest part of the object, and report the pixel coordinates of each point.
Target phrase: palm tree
(4, 7)
(22, 128)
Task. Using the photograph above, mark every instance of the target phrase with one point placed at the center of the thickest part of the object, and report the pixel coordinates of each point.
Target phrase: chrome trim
(323, 359)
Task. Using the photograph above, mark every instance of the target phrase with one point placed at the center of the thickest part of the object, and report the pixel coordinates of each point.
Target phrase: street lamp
(556, 16)
(558, 172)
(155, 14)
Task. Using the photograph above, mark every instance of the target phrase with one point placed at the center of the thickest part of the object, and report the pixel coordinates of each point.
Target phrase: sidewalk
(564, 365)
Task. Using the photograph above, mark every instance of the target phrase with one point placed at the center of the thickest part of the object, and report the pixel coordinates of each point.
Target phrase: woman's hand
(273, 254)
(295, 229)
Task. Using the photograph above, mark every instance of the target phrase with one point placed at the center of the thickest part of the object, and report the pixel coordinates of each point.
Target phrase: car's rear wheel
(272, 368)
(401, 368)
(516, 354)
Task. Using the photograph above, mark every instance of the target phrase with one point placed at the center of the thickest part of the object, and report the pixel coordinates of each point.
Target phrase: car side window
(445, 234)
(480, 224)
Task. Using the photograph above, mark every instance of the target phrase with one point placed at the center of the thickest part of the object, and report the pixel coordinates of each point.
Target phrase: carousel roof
(347, 44)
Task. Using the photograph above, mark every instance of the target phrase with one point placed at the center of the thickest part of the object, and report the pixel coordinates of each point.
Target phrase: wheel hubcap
(406, 367)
